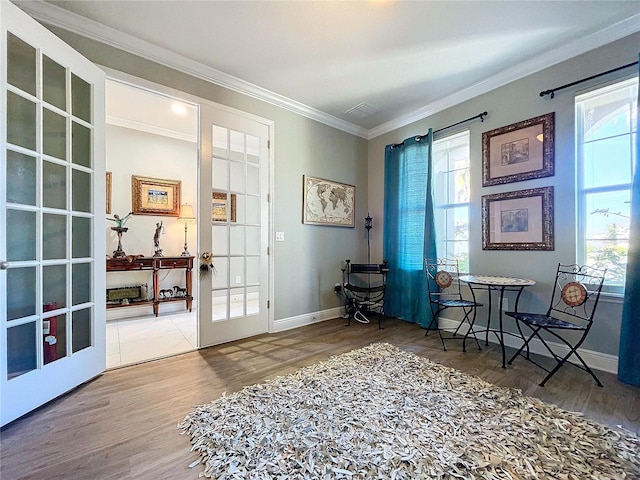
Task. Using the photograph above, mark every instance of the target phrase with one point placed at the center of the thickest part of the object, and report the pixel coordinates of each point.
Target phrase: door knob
(4, 265)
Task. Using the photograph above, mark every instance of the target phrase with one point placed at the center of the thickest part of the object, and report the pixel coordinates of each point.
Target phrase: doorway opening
(152, 170)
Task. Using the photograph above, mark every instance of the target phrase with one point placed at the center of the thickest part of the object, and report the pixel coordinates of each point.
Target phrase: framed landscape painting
(155, 196)
(521, 220)
(520, 151)
(325, 202)
(220, 207)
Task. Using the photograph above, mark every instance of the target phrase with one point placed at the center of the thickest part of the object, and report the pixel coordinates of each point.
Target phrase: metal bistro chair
(364, 286)
(443, 284)
(573, 304)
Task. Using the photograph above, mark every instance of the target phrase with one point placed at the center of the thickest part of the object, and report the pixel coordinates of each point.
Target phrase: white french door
(234, 226)
(52, 204)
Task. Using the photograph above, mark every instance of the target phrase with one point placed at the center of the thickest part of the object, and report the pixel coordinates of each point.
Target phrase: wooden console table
(155, 264)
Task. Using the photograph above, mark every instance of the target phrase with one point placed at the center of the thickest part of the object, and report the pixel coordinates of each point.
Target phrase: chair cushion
(457, 303)
(544, 321)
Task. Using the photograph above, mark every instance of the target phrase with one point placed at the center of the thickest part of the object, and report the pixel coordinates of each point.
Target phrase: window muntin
(451, 192)
(606, 135)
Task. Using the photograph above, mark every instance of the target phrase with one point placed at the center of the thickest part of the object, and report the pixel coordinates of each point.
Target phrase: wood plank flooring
(122, 425)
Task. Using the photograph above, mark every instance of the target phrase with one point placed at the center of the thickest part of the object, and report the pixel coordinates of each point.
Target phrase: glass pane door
(52, 158)
(237, 229)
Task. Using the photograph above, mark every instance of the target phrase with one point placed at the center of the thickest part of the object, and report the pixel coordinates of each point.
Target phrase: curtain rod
(418, 137)
(553, 91)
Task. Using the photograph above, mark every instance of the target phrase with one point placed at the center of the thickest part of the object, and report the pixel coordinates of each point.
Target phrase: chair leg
(434, 319)
(573, 350)
(470, 330)
(380, 315)
(525, 344)
(587, 368)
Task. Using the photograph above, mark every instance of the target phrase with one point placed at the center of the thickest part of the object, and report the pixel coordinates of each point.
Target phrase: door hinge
(268, 143)
(268, 250)
(268, 303)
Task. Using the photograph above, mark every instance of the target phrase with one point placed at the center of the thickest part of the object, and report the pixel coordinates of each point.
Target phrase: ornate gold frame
(155, 196)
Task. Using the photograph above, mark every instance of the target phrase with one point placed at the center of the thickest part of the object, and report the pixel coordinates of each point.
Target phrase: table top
(494, 281)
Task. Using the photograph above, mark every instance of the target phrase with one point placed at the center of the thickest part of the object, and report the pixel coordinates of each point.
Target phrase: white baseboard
(136, 311)
(596, 360)
(283, 324)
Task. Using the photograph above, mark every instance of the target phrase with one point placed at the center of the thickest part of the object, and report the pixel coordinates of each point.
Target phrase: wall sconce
(187, 216)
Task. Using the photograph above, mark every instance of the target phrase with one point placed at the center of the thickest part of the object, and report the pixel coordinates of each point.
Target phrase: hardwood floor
(123, 424)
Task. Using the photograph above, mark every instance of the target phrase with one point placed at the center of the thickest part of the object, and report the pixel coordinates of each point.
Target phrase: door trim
(270, 124)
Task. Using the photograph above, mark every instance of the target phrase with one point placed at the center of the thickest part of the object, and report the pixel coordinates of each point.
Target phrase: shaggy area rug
(382, 413)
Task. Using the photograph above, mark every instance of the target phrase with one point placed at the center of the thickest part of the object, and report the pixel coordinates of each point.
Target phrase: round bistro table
(501, 285)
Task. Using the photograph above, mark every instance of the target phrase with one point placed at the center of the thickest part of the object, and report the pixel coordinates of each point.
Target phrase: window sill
(611, 297)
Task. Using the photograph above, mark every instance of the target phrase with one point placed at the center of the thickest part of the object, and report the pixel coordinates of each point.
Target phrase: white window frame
(582, 191)
(442, 241)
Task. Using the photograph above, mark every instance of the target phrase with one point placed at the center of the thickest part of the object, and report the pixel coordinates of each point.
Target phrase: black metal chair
(443, 284)
(364, 286)
(576, 291)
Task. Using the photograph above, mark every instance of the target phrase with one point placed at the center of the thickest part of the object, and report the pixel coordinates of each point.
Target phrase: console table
(155, 264)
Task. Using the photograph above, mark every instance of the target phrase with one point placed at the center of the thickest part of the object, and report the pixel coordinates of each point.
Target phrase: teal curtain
(629, 354)
(409, 231)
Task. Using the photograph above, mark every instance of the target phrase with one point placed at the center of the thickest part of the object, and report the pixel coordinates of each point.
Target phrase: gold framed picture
(108, 191)
(520, 151)
(155, 196)
(220, 206)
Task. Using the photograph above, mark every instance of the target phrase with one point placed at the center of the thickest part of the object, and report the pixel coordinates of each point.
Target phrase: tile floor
(140, 339)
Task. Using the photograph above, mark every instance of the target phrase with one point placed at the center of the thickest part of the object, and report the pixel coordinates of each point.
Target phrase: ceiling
(400, 61)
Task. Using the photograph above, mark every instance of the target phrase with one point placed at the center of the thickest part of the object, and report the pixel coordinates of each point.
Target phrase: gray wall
(511, 103)
(308, 263)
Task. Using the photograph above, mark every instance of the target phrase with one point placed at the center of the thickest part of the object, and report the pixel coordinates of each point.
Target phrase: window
(606, 122)
(451, 197)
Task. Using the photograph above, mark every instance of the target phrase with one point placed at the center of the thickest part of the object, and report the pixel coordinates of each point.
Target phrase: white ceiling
(405, 60)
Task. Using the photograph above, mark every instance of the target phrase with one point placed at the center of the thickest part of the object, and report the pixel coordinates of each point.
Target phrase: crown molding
(71, 22)
(572, 49)
(145, 127)
(58, 17)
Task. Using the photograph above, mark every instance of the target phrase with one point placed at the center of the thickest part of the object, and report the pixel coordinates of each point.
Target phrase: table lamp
(186, 216)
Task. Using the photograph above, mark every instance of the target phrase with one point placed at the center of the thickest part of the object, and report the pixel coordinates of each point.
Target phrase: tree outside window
(606, 122)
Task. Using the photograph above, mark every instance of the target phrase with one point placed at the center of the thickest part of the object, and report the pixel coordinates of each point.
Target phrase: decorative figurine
(157, 251)
(206, 264)
(119, 229)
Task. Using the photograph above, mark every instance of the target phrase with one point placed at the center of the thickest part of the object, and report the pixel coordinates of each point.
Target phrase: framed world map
(326, 202)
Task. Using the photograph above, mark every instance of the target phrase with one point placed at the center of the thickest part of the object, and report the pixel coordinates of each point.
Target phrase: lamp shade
(186, 214)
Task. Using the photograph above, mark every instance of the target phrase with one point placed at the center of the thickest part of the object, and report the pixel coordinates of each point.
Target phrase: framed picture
(325, 202)
(518, 152)
(154, 196)
(108, 192)
(521, 220)
(220, 206)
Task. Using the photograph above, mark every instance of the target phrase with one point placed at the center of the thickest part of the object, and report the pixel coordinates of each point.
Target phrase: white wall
(133, 152)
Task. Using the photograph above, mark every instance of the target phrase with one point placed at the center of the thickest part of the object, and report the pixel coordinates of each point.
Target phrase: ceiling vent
(362, 110)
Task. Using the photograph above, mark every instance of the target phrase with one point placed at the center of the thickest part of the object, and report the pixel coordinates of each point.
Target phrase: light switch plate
(279, 236)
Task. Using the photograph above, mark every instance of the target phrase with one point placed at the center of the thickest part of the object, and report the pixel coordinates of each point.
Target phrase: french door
(234, 226)
(52, 204)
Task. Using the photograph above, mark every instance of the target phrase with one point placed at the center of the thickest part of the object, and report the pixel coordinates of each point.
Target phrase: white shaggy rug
(382, 413)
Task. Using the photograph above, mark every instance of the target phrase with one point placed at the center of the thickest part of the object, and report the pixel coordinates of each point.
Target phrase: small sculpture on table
(157, 251)
(120, 229)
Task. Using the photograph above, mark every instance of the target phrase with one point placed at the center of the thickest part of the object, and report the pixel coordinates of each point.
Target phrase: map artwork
(327, 202)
